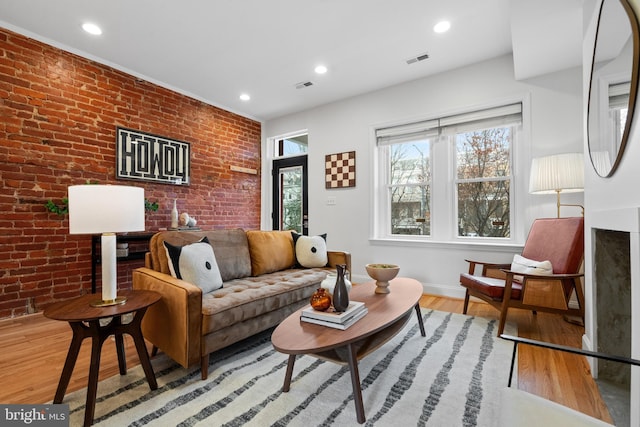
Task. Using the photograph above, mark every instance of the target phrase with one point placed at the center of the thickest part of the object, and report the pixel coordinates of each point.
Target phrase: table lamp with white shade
(559, 173)
(106, 210)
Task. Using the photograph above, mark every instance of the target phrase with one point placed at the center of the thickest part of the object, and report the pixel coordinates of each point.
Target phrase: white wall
(616, 192)
(604, 197)
(553, 109)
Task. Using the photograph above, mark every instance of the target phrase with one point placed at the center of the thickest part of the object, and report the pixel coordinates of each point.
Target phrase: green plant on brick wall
(60, 209)
(150, 206)
(63, 207)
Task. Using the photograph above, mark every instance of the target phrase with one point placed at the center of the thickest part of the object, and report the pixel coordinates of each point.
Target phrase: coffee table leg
(355, 383)
(420, 320)
(287, 376)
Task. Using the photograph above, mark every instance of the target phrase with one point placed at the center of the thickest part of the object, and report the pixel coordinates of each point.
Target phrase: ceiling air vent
(418, 58)
(302, 85)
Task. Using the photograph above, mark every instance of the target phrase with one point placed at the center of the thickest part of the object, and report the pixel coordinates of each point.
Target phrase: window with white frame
(618, 106)
(405, 169)
(472, 154)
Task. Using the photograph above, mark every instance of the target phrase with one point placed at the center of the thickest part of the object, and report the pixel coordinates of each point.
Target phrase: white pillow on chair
(524, 265)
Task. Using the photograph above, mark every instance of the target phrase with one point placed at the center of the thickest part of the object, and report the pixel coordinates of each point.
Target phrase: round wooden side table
(85, 322)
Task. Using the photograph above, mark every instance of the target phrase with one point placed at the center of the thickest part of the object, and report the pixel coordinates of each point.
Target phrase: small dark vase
(340, 293)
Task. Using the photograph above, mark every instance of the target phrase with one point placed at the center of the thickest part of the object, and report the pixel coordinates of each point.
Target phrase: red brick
(60, 113)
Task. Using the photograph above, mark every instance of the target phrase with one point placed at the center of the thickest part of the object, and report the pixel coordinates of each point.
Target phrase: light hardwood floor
(34, 350)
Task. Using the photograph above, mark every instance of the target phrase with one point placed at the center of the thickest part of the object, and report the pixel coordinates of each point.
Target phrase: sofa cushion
(230, 247)
(195, 263)
(270, 251)
(311, 251)
(232, 252)
(246, 298)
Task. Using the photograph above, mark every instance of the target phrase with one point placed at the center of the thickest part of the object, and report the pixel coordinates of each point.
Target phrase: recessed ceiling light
(91, 28)
(442, 27)
(321, 69)
(245, 97)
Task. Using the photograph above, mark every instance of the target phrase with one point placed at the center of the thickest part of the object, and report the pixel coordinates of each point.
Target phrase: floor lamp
(106, 210)
(560, 173)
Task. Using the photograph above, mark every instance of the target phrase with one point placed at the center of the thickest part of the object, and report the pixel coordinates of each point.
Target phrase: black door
(290, 201)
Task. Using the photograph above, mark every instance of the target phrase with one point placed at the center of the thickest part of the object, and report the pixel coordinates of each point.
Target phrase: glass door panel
(290, 194)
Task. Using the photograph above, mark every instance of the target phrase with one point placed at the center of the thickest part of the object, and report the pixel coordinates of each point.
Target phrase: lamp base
(107, 303)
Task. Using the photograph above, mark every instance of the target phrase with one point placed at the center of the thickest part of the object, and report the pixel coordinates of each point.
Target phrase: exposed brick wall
(58, 118)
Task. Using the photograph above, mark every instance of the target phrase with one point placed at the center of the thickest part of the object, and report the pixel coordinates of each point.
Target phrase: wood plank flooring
(34, 349)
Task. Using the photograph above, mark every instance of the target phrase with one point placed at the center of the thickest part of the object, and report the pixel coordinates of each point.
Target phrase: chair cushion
(494, 288)
(559, 240)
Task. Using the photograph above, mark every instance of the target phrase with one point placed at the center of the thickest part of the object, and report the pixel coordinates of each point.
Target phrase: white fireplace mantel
(623, 220)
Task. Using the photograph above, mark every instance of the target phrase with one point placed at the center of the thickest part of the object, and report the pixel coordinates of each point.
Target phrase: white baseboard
(586, 343)
(443, 290)
(592, 361)
(359, 278)
(427, 288)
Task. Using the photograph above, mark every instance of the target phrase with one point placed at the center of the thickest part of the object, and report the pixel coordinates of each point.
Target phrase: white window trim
(454, 181)
(273, 141)
(443, 223)
(268, 155)
(385, 195)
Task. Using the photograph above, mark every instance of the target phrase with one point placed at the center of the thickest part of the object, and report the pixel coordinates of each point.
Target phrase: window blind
(491, 117)
(407, 132)
(619, 95)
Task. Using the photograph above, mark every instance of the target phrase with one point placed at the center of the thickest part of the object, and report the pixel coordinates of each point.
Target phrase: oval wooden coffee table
(388, 313)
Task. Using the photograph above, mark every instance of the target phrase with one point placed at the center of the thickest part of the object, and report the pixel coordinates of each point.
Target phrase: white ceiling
(547, 36)
(214, 50)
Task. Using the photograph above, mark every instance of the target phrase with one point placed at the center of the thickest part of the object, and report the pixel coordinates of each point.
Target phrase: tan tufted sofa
(261, 288)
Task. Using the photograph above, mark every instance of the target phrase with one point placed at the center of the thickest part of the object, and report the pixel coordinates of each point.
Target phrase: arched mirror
(613, 87)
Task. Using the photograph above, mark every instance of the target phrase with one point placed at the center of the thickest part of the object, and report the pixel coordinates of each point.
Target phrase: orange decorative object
(320, 300)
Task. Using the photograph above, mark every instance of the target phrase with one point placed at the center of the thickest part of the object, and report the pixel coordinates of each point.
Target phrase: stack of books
(331, 318)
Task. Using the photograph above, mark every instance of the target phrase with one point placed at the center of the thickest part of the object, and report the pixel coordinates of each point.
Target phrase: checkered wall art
(340, 170)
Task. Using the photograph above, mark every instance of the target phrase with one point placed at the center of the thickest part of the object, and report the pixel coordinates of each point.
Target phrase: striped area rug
(451, 377)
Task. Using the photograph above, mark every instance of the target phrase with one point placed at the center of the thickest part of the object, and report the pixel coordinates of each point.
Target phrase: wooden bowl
(382, 274)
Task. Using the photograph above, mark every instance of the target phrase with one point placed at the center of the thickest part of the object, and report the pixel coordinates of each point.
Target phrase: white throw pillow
(195, 263)
(311, 251)
(524, 265)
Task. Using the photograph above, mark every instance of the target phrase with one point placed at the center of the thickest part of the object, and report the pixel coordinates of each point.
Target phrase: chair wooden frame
(533, 289)
(559, 239)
